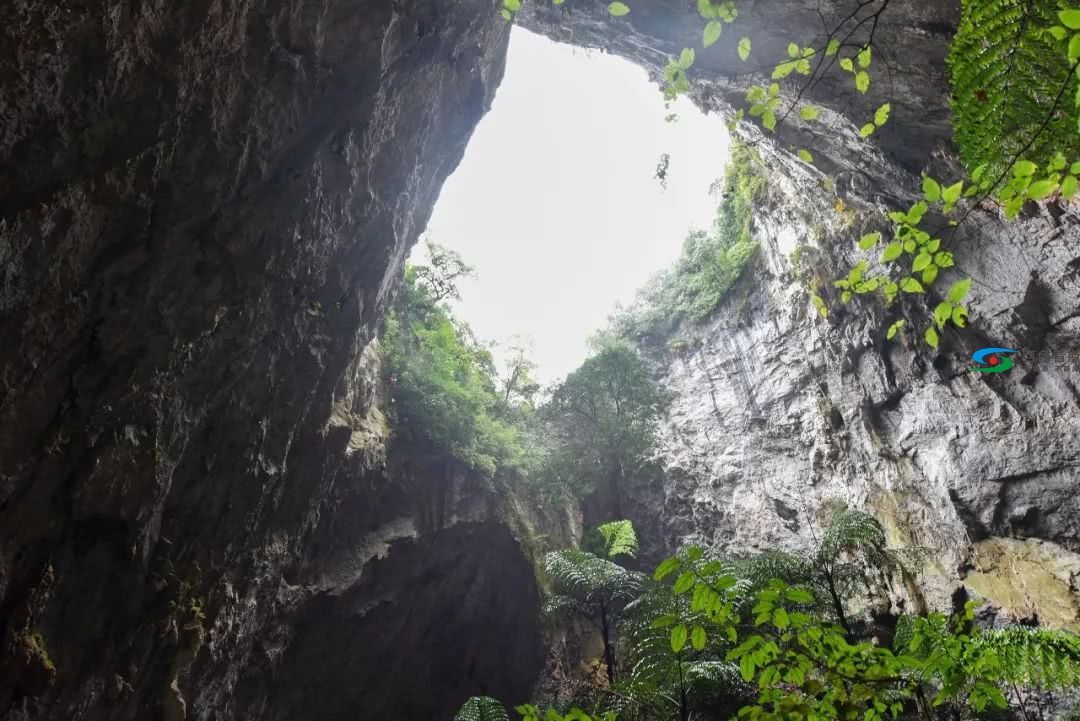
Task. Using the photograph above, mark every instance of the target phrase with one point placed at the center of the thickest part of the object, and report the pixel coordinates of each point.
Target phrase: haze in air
(556, 204)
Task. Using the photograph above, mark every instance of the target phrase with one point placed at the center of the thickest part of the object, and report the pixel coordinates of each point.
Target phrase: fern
(1006, 71)
(481, 708)
(613, 539)
(586, 578)
(1037, 657)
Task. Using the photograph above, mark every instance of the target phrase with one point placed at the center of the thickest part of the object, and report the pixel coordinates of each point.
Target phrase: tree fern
(613, 539)
(481, 708)
(588, 579)
(1007, 70)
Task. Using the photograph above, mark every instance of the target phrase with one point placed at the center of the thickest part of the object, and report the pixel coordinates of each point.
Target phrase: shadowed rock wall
(203, 208)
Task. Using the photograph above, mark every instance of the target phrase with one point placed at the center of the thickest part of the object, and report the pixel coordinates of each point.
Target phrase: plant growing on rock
(591, 586)
(1014, 68)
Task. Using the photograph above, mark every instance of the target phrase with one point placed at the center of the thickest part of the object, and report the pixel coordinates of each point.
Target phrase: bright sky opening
(555, 202)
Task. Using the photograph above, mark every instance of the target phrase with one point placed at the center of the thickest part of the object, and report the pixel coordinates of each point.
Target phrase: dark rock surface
(203, 208)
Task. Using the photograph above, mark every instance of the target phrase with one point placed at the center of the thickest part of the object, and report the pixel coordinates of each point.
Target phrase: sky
(555, 202)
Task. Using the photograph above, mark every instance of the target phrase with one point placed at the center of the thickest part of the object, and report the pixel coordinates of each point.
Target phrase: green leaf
(959, 290)
(952, 193)
(780, 618)
(663, 621)
(1070, 19)
(706, 10)
(846, 64)
(799, 595)
(512, 5)
(942, 313)
(1069, 187)
(686, 58)
(712, 33)
(808, 112)
(833, 46)
(867, 130)
(1024, 168)
(793, 50)
(746, 667)
(1058, 32)
(684, 582)
(910, 285)
(881, 115)
(931, 189)
(922, 260)
(694, 553)
(768, 119)
(894, 329)
(744, 49)
(929, 275)
(678, 638)
(618, 9)
(507, 15)
(944, 259)
(698, 638)
(666, 567)
(869, 240)
(864, 58)
(822, 309)
(862, 81)
(1041, 188)
(978, 173)
(959, 315)
(931, 337)
(774, 90)
(916, 213)
(892, 251)
(806, 156)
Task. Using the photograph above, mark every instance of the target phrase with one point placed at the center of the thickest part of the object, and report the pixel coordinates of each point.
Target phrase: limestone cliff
(203, 210)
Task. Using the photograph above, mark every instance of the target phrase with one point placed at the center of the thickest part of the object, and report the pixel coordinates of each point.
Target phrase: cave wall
(204, 207)
(203, 211)
(779, 414)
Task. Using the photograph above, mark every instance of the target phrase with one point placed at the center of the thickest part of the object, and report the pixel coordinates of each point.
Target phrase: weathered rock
(203, 208)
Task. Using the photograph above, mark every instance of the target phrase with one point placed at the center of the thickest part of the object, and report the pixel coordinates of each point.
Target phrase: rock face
(203, 208)
(780, 415)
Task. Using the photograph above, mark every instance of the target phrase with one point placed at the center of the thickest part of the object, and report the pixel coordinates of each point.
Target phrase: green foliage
(710, 263)
(444, 388)
(482, 708)
(603, 419)
(584, 582)
(1006, 66)
(596, 589)
(616, 538)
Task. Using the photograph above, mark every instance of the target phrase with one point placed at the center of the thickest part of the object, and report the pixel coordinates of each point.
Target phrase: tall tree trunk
(609, 651)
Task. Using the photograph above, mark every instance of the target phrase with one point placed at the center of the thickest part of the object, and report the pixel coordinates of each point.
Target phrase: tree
(443, 381)
(441, 275)
(593, 587)
(604, 419)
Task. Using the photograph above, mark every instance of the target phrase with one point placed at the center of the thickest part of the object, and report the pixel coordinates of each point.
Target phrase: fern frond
(583, 576)
(482, 708)
(617, 538)
(1006, 71)
(1038, 657)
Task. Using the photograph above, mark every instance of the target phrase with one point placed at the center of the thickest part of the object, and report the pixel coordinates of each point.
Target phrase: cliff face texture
(203, 207)
(780, 416)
